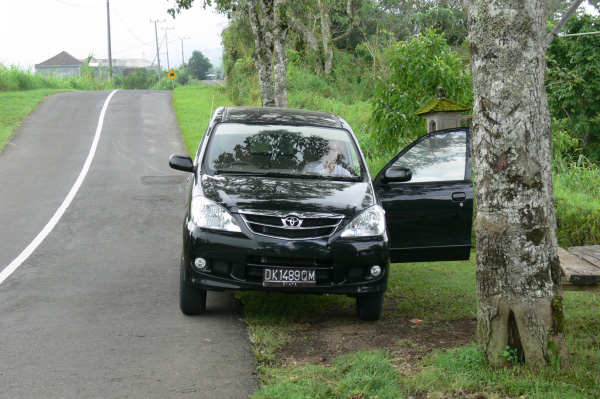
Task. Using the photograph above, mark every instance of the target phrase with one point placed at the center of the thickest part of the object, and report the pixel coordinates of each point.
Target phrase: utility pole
(182, 59)
(109, 46)
(157, 48)
(167, 43)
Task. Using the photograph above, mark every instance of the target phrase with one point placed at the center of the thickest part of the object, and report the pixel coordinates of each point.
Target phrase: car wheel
(192, 300)
(369, 306)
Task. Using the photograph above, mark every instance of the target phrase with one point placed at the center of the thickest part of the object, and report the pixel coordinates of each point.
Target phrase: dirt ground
(330, 335)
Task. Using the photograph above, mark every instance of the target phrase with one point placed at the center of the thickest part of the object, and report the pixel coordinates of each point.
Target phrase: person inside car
(328, 163)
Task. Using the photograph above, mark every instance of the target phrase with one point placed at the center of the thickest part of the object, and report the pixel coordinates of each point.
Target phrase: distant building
(122, 66)
(121, 62)
(211, 76)
(63, 64)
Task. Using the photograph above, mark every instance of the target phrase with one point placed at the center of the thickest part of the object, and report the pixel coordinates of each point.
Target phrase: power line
(127, 27)
(78, 5)
(131, 48)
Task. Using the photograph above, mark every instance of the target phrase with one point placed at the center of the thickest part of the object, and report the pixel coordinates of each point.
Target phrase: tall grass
(13, 78)
(576, 183)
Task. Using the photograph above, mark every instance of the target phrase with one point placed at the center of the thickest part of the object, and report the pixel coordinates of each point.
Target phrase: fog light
(200, 263)
(375, 271)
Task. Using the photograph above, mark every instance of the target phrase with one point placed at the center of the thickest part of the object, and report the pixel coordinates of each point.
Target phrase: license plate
(289, 277)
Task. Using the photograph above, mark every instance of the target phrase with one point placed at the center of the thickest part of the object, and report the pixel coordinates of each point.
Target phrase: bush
(243, 87)
(165, 84)
(183, 77)
(140, 79)
(418, 67)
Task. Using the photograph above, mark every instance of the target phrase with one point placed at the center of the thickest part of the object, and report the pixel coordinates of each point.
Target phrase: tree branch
(563, 21)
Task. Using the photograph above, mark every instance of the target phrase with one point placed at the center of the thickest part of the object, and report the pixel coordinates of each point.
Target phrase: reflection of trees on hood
(289, 194)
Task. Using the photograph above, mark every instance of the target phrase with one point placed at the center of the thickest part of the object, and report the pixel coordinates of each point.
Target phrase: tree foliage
(573, 82)
(198, 65)
(417, 68)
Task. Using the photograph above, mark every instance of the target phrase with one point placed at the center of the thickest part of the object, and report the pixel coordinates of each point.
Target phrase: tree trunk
(326, 33)
(310, 39)
(263, 56)
(279, 34)
(518, 271)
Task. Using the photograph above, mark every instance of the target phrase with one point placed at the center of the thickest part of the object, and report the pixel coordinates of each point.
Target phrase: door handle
(459, 197)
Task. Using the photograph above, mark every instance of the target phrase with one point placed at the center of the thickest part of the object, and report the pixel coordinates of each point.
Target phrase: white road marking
(61, 210)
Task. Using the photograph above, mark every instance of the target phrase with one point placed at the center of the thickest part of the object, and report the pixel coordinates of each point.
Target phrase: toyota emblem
(291, 221)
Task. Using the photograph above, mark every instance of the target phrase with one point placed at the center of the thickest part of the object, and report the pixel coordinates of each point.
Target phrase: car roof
(278, 116)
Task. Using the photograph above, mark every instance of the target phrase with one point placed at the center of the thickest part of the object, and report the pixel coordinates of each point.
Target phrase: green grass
(577, 202)
(365, 374)
(15, 106)
(193, 106)
(432, 292)
(435, 290)
(464, 370)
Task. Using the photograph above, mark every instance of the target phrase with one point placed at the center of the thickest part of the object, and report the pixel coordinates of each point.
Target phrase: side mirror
(398, 174)
(181, 162)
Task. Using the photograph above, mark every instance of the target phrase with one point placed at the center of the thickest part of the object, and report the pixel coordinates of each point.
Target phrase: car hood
(251, 193)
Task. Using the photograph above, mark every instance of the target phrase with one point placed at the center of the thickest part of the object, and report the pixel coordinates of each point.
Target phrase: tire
(369, 307)
(192, 300)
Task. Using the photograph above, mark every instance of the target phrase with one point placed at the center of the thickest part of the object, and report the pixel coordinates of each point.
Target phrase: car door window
(437, 157)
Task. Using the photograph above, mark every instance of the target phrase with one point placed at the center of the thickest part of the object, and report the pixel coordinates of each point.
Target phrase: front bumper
(235, 261)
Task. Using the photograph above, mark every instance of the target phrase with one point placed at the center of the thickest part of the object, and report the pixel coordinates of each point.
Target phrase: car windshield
(279, 150)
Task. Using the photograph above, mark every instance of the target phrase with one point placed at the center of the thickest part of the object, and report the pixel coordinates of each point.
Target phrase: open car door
(427, 194)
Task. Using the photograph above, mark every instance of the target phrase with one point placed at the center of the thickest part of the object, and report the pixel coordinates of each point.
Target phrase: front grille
(280, 261)
(311, 225)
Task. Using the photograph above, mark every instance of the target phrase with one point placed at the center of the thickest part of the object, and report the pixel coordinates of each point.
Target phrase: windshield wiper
(261, 173)
(285, 175)
(238, 172)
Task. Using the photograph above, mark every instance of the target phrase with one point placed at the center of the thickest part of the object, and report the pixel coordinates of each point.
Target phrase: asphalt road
(93, 312)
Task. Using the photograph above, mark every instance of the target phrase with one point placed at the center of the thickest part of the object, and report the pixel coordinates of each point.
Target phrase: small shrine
(443, 113)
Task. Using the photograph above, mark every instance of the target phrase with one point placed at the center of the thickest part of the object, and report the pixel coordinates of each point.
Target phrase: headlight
(205, 213)
(370, 222)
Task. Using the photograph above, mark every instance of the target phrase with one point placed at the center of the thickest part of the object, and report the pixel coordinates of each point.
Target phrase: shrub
(418, 68)
(140, 79)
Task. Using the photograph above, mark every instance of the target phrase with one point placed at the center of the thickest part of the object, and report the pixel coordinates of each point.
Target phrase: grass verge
(409, 367)
(17, 105)
(194, 106)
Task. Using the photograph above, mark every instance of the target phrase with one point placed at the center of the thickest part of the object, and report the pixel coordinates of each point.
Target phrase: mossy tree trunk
(518, 271)
(269, 29)
(280, 28)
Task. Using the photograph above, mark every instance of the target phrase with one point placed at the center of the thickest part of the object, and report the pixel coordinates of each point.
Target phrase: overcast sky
(32, 31)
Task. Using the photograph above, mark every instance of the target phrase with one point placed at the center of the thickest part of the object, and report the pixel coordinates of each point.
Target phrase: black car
(282, 200)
